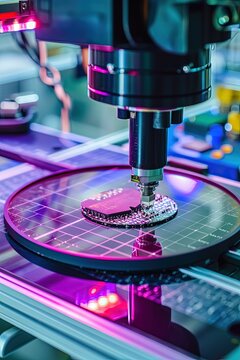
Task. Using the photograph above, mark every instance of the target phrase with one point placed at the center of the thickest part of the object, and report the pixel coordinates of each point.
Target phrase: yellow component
(224, 95)
(234, 121)
(217, 154)
(227, 148)
(135, 178)
(227, 96)
(236, 97)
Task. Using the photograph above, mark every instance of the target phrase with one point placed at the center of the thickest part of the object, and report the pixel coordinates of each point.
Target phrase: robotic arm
(150, 58)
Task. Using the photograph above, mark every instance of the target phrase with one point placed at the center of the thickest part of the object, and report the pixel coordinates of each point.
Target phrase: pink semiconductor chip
(112, 203)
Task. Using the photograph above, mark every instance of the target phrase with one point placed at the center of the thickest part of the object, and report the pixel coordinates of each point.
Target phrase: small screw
(24, 7)
(186, 69)
(111, 68)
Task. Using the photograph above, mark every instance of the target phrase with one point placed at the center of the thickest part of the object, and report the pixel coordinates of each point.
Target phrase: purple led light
(99, 69)
(29, 24)
(105, 48)
(98, 92)
(133, 72)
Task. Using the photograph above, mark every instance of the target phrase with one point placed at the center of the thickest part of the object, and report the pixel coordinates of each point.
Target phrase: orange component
(217, 154)
(227, 148)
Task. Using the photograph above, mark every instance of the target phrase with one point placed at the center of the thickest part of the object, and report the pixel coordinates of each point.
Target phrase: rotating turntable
(45, 217)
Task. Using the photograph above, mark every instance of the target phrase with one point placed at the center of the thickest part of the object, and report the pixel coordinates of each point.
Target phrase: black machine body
(146, 57)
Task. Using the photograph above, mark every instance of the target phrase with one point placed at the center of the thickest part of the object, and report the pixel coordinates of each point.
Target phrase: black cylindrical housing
(148, 144)
(148, 78)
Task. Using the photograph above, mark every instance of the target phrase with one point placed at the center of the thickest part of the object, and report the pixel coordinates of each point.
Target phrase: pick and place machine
(105, 254)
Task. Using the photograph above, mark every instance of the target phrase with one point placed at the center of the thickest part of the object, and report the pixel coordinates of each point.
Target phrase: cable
(52, 77)
(23, 43)
(48, 74)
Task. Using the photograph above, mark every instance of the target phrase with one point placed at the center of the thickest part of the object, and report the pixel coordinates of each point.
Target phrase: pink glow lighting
(100, 69)
(92, 305)
(93, 291)
(105, 48)
(102, 301)
(98, 92)
(18, 25)
(113, 298)
(133, 73)
(31, 24)
(183, 184)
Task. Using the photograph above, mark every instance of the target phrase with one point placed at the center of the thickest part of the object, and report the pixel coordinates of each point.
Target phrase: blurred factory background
(18, 73)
